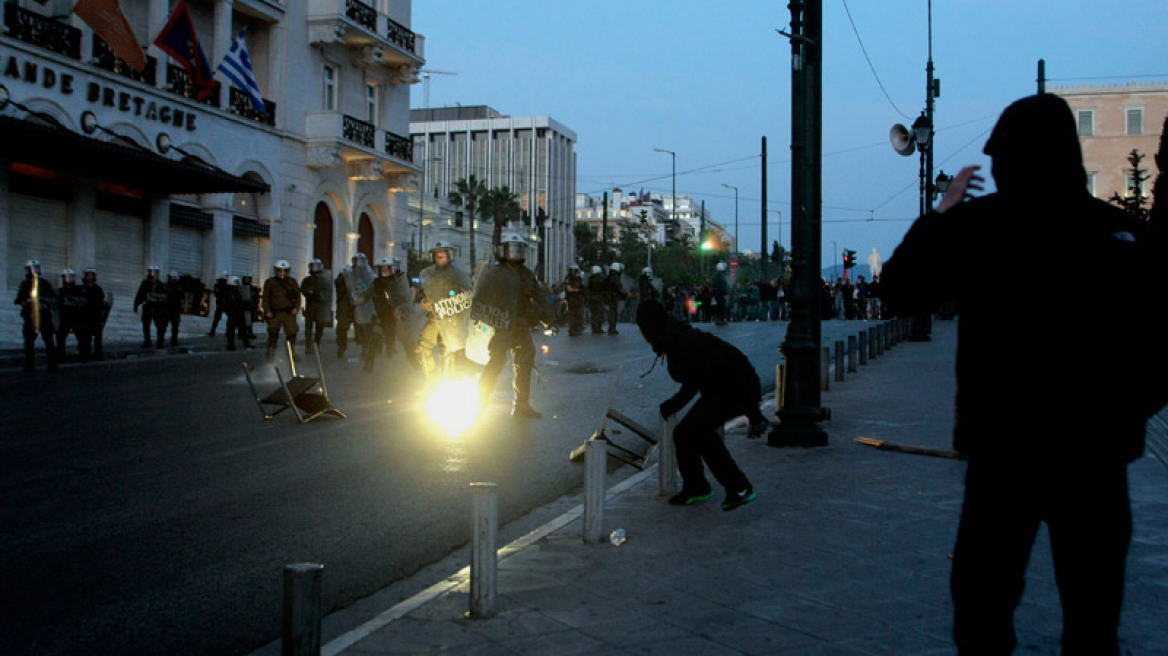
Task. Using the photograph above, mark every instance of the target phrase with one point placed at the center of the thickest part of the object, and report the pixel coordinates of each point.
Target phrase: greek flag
(237, 67)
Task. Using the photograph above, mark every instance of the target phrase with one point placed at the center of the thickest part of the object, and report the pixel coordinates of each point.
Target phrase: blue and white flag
(237, 67)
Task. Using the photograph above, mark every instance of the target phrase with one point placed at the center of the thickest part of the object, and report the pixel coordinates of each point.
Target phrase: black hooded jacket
(701, 362)
(1040, 376)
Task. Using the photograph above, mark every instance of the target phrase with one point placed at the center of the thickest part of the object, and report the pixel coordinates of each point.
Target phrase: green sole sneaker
(736, 499)
(684, 498)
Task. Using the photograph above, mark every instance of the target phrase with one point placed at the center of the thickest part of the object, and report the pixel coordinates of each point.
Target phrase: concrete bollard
(839, 361)
(595, 456)
(864, 341)
(300, 635)
(666, 457)
(852, 353)
(484, 557)
(824, 360)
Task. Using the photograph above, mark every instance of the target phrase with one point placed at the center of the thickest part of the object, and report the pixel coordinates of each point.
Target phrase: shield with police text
(448, 295)
(496, 301)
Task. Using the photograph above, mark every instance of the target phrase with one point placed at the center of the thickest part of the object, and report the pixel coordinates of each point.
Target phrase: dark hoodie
(699, 361)
(1033, 382)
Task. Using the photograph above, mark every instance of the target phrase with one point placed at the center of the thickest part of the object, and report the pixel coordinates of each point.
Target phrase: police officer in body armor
(445, 295)
(721, 288)
(358, 279)
(217, 292)
(71, 301)
(614, 293)
(152, 298)
(526, 313)
(233, 307)
(344, 310)
(94, 315)
(596, 289)
(250, 294)
(574, 294)
(36, 298)
(281, 305)
(318, 304)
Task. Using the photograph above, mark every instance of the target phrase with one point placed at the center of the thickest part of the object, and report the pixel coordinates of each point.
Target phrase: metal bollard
(595, 455)
(852, 354)
(666, 457)
(300, 635)
(864, 346)
(839, 360)
(824, 359)
(484, 558)
(779, 385)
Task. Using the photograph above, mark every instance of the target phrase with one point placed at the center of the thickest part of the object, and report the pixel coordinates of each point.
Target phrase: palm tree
(470, 193)
(503, 208)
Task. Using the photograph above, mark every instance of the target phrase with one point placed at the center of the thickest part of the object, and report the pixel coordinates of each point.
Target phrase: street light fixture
(673, 198)
(736, 248)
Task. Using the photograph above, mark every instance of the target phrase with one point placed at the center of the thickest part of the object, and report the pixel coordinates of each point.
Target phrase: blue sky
(709, 79)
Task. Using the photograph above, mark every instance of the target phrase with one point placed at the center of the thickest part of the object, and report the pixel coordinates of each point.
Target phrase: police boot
(522, 406)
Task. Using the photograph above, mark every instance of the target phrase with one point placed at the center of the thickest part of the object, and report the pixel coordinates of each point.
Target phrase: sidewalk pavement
(845, 552)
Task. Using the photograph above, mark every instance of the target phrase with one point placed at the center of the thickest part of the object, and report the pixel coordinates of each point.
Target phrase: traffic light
(849, 258)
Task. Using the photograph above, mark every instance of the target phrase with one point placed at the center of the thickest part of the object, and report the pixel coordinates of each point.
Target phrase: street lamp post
(673, 198)
(736, 248)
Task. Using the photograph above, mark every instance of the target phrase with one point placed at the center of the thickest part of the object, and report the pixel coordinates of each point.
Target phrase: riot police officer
(721, 287)
(250, 294)
(281, 305)
(71, 301)
(509, 289)
(344, 309)
(217, 292)
(358, 279)
(36, 299)
(596, 290)
(614, 293)
(175, 294)
(318, 304)
(152, 298)
(446, 294)
(93, 318)
(233, 307)
(574, 294)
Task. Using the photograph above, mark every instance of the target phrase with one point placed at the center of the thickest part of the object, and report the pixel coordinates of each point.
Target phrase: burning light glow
(454, 405)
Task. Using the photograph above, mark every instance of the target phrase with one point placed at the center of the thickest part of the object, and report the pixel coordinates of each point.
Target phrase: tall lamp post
(736, 248)
(673, 198)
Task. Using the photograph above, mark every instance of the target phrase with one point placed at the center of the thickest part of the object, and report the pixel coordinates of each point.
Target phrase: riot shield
(448, 293)
(358, 281)
(399, 291)
(496, 301)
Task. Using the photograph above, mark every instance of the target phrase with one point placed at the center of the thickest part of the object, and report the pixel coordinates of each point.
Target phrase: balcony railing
(240, 104)
(42, 31)
(361, 14)
(399, 146)
(178, 81)
(400, 35)
(104, 57)
(358, 131)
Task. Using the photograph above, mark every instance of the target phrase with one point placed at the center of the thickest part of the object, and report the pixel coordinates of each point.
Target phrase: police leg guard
(522, 406)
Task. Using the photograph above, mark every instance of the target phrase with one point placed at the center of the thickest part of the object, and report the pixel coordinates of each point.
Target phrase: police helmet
(33, 266)
(616, 266)
(283, 264)
(721, 266)
(315, 265)
(442, 245)
(384, 266)
(596, 270)
(89, 270)
(512, 248)
(68, 275)
(224, 274)
(153, 269)
(233, 281)
(359, 259)
(573, 267)
(647, 272)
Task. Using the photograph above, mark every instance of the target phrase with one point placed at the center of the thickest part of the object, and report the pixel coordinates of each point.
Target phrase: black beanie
(651, 319)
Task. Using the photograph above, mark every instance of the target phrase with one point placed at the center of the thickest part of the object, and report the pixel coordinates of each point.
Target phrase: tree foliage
(469, 193)
(1133, 202)
(1158, 215)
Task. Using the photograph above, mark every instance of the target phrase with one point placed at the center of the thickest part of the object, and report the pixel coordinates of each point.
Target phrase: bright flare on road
(454, 405)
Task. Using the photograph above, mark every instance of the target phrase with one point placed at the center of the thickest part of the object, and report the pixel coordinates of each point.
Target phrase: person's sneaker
(690, 497)
(738, 498)
(758, 429)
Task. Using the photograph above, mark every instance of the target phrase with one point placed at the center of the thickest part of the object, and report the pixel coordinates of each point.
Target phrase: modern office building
(533, 156)
(1113, 120)
(169, 164)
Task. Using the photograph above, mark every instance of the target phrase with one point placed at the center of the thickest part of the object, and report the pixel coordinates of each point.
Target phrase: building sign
(97, 93)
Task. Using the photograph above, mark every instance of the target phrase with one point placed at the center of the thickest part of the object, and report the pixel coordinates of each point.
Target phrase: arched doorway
(365, 236)
(322, 237)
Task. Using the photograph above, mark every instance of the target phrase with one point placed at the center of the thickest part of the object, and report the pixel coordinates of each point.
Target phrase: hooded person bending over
(1061, 456)
(728, 388)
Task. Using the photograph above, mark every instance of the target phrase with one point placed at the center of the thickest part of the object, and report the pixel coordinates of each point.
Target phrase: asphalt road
(146, 507)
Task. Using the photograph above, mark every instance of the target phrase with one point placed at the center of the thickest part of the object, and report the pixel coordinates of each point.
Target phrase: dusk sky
(709, 79)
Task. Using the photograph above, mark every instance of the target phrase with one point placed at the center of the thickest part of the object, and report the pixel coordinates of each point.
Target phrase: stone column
(221, 238)
(81, 251)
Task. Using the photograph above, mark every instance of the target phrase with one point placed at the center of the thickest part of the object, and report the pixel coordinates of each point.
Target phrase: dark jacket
(1030, 385)
(701, 362)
